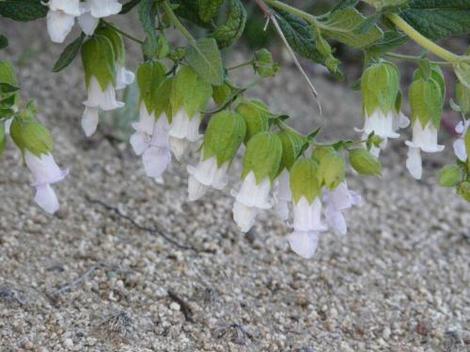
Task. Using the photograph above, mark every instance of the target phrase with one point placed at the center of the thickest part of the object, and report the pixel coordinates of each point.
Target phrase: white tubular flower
(249, 200)
(400, 121)
(104, 8)
(260, 166)
(157, 156)
(45, 173)
(87, 22)
(307, 215)
(304, 243)
(59, 25)
(206, 174)
(337, 201)
(224, 134)
(459, 145)
(283, 196)
(124, 77)
(140, 140)
(71, 7)
(184, 129)
(380, 92)
(90, 119)
(424, 139)
(105, 99)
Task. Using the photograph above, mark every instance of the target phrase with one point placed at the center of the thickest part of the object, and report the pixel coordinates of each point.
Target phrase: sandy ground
(129, 265)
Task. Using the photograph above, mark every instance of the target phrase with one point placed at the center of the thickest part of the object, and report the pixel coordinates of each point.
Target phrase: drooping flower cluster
(103, 57)
(62, 13)
(382, 109)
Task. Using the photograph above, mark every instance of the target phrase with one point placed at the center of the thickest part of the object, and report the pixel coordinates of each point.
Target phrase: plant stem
(176, 22)
(127, 35)
(294, 11)
(243, 64)
(422, 40)
(414, 58)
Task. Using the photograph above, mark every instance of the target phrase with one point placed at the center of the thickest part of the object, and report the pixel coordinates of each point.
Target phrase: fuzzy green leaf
(23, 10)
(206, 60)
(208, 9)
(343, 26)
(69, 54)
(232, 29)
(437, 19)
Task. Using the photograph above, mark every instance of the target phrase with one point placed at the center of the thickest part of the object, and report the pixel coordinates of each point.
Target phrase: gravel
(180, 277)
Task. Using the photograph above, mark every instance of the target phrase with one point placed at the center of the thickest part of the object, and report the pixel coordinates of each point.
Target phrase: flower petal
(303, 243)
(90, 119)
(307, 216)
(139, 142)
(44, 169)
(414, 163)
(88, 23)
(253, 194)
(244, 216)
(460, 150)
(123, 77)
(69, 7)
(195, 189)
(156, 161)
(59, 25)
(104, 8)
(336, 221)
(105, 100)
(46, 198)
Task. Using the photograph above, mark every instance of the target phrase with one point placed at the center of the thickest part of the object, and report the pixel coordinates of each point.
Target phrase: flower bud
(450, 175)
(364, 163)
(464, 190)
(256, 115)
(331, 167)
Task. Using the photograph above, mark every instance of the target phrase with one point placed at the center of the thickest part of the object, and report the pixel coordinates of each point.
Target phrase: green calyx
(462, 95)
(29, 134)
(150, 76)
(380, 86)
(223, 137)
(263, 156)
(190, 92)
(99, 61)
(292, 145)
(331, 167)
(303, 179)
(464, 190)
(426, 101)
(116, 41)
(256, 115)
(364, 163)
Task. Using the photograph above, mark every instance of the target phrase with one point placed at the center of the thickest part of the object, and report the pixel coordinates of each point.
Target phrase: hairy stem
(422, 40)
(127, 35)
(176, 22)
(414, 58)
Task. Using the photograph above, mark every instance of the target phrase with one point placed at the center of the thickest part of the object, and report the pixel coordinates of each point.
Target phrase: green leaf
(116, 41)
(208, 9)
(303, 179)
(205, 58)
(344, 25)
(263, 156)
(232, 29)
(7, 88)
(128, 6)
(23, 10)
(307, 41)
(437, 19)
(364, 163)
(224, 135)
(462, 95)
(68, 55)
(147, 12)
(450, 176)
(3, 41)
(389, 41)
(256, 115)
